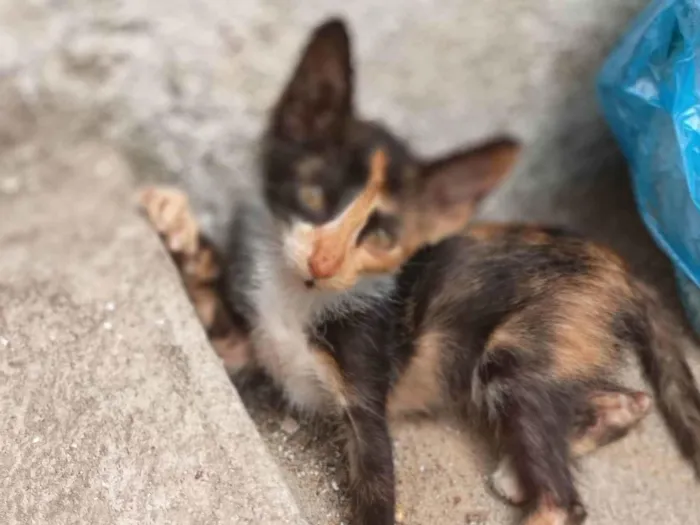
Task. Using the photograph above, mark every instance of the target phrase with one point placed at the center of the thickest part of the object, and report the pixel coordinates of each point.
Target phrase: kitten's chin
(333, 285)
(336, 284)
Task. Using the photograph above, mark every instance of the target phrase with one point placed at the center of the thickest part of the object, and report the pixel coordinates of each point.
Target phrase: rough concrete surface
(182, 88)
(114, 408)
(185, 85)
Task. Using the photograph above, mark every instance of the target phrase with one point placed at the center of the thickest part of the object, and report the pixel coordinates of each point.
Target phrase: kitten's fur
(353, 284)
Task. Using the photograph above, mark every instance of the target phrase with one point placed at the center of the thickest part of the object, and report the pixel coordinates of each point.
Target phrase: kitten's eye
(312, 197)
(380, 232)
(380, 239)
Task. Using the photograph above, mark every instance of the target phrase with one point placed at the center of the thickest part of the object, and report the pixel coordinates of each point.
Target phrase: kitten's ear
(453, 186)
(318, 99)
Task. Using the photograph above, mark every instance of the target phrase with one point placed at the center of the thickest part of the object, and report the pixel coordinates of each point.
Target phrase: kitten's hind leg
(168, 210)
(534, 418)
(606, 417)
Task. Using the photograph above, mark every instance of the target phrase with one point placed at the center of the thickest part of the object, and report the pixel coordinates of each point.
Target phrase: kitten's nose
(324, 265)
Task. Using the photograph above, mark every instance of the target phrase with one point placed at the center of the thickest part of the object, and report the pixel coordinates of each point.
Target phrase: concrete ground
(145, 428)
(114, 409)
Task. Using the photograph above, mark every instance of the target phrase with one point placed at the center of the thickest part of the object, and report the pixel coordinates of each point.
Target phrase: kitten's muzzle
(325, 263)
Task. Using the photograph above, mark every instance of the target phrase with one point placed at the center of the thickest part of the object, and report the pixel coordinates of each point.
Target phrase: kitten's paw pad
(169, 211)
(614, 415)
(550, 515)
(505, 483)
(622, 410)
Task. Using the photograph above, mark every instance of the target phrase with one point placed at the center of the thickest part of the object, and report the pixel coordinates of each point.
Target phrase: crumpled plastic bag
(649, 89)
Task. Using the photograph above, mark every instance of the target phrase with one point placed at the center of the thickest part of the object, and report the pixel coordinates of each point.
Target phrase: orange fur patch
(420, 387)
(332, 242)
(584, 343)
(530, 234)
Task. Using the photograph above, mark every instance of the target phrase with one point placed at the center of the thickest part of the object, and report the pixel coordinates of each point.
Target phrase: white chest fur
(285, 309)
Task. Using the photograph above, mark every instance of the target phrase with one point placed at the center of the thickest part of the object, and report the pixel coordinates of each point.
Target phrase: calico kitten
(352, 281)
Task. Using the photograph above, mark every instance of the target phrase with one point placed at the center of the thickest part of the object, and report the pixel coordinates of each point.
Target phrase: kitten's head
(350, 197)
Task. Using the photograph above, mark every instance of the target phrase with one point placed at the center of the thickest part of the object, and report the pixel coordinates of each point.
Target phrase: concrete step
(115, 410)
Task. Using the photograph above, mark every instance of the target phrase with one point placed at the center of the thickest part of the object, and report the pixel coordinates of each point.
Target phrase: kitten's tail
(660, 347)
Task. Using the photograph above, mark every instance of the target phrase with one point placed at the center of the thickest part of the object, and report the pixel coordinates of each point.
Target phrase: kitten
(353, 282)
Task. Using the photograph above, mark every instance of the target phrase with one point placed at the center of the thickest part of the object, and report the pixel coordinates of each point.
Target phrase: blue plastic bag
(649, 89)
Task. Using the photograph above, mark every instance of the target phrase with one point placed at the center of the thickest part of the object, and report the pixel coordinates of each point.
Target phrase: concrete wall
(185, 84)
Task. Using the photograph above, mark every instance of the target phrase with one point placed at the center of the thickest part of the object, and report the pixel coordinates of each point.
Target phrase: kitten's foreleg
(169, 211)
(372, 490)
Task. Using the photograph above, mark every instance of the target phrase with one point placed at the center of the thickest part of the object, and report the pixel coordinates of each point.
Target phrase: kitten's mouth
(310, 283)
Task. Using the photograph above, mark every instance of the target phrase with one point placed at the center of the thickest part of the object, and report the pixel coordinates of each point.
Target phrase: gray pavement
(114, 408)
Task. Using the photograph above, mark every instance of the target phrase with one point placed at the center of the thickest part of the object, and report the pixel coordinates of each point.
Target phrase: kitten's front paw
(169, 211)
(505, 483)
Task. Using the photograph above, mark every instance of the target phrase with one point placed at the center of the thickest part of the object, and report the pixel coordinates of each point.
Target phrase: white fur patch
(505, 482)
(286, 307)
